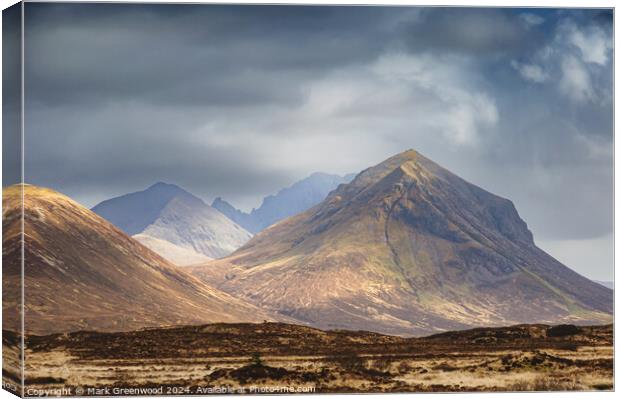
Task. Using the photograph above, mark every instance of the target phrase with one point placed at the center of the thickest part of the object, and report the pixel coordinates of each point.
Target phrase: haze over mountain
(178, 255)
(287, 202)
(81, 272)
(408, 248)
(166, 212)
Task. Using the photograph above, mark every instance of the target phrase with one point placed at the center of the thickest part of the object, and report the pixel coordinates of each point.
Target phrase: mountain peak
(34, 195)
(409, 154)
(166, 187)
(161, 184)
(408, 164)
(170, 192)
(133, 212)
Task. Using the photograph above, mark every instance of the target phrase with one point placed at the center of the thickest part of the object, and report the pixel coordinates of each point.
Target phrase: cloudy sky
(239, 102)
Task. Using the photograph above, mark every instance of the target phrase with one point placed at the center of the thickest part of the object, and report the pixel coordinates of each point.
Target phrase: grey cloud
(121, 148)
(470, 31)
(149, 54)
(11, 99)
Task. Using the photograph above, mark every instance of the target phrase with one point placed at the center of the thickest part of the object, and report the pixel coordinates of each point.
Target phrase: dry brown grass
(548, 383)
(218, 355)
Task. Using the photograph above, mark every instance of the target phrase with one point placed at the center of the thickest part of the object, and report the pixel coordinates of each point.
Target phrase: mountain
(408, 248)
(134, 212)
(169, 213)
(287, 202)
(607, 284)
(81, 272)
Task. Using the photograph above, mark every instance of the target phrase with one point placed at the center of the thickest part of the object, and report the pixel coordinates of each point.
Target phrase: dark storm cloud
(240, 101)
(11, 99)
(184, 55)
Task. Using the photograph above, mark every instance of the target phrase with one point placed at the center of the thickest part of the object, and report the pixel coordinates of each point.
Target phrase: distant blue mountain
(608, 284)
(287, 202)
(133, 212)
(174, 223)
